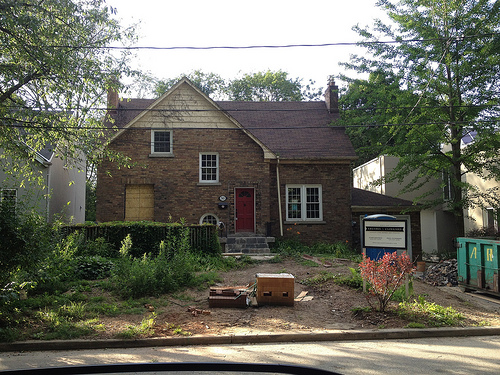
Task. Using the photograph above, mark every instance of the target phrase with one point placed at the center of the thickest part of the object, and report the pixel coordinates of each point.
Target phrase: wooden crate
(275, 289)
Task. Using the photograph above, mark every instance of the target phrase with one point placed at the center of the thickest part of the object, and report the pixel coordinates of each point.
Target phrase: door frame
(253, 209)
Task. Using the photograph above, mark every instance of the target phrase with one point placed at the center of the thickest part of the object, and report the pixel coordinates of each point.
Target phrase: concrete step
(248, 245)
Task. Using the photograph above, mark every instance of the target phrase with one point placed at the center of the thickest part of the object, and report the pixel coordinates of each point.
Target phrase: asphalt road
(451, 355)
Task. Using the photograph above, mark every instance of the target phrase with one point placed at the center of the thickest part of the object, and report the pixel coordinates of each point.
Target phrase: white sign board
(389, 234)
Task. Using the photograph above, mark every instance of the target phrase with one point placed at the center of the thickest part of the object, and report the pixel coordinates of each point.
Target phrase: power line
(47, 127)
(304, 45)
(239, 110)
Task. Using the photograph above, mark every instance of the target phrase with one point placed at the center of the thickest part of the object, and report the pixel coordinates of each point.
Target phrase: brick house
(218, 161)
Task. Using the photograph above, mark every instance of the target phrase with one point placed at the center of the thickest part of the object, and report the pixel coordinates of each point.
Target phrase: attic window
(161, 142)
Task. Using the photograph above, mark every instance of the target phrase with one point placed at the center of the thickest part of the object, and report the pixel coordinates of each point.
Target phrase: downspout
(47, 198)
(279, 194)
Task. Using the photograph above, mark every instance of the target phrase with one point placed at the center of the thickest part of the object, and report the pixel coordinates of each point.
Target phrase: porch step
(248, 245)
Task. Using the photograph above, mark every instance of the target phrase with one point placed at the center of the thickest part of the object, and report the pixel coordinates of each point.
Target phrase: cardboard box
(275, 289)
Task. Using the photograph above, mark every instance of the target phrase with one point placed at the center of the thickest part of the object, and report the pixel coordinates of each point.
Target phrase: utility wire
(336, 44)
(111, 128)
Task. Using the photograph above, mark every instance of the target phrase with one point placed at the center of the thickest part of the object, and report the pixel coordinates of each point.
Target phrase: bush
(152, 275)
(385, 276)
(25, 239)
(92, 267)
(146, 237)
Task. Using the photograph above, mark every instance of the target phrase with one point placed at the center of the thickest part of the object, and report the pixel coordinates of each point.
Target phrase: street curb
(382, 334)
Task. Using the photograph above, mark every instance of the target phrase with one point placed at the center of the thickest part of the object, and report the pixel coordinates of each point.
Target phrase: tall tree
(210, 83)
(372, 111)
(55, 66)
(271, 86)
(446, 54)
(261, 86)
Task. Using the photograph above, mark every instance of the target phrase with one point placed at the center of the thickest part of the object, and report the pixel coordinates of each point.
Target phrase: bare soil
(329, 309)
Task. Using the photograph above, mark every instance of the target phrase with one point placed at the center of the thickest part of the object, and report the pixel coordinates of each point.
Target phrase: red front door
(245, 217)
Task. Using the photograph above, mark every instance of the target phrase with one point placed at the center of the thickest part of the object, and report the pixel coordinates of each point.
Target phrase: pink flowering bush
(385, 276)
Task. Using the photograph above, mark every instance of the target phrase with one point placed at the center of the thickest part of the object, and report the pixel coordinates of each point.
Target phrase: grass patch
(429, 313)
(145, 328)
(353, 280)
(320, 278)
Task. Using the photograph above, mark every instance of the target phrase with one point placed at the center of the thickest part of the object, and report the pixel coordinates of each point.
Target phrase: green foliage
(53, 68)
(92, 267)
(319, 279)
(211, 84)
(153, 274)
(400, 294)
(90, 201)
(26, 238)
(106, 239)
(438, 84)
(271, 87)
(293, 247)
(260, 86)
(354, 280)
(360, 310)
(145, 328)
(429, 313)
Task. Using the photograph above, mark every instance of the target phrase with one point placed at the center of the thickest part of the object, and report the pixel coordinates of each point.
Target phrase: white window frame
(201, 168)
(303, 203)
(209, 214)
(162, 153)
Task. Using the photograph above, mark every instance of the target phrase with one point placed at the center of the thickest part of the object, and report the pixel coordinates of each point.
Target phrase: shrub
(92, 267)
(385, 276)
(151, 274)
(25, 239)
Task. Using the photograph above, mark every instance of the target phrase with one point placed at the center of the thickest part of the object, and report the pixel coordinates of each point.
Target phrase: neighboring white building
(437, 227)
(63, 193)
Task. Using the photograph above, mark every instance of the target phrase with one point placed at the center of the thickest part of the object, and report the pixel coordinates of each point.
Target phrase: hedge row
(146, 236)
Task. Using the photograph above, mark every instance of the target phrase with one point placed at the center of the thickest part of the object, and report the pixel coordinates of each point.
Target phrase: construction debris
(443, 273)
(303, 297)
(195, 311)
(228, 297)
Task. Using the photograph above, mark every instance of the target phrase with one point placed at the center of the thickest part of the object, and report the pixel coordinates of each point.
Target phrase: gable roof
(293, 130)
(290, 130)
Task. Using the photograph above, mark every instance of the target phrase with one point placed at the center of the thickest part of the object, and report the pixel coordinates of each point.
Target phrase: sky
(203, 23)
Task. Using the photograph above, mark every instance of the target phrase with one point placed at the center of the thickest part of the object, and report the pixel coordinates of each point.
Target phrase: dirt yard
(329, 309)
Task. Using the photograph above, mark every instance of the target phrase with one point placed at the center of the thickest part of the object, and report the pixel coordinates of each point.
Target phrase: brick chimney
(332, 97)
(113, 99)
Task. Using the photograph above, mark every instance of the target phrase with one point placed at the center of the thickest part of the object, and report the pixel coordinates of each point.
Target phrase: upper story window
(161, 142)
(304, 203)
(8, 198)
(209, 167)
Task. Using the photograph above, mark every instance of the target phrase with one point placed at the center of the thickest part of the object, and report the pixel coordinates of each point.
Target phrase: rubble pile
(443, 273)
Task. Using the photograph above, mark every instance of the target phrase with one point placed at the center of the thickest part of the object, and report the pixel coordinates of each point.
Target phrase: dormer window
(161, 143)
